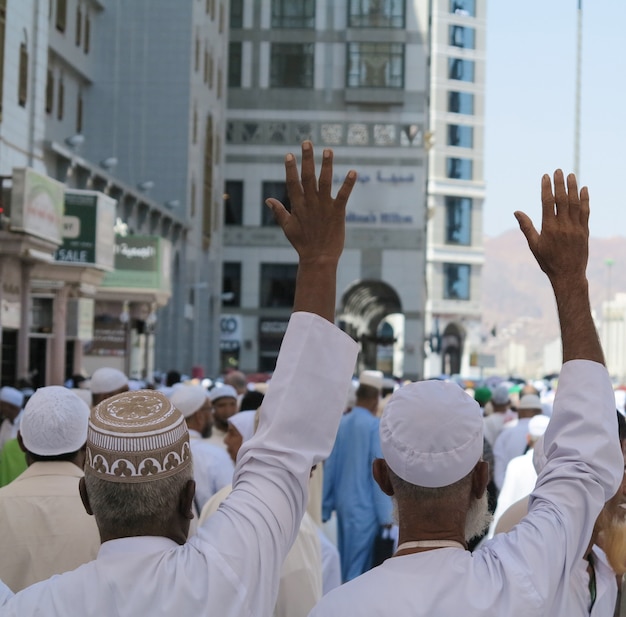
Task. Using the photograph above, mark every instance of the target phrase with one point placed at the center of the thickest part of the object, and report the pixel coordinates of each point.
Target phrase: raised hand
(561, 249)
(316, 225)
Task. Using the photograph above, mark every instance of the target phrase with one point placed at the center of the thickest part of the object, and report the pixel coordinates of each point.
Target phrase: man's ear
(185, 504)
(20, 442)
(82, 489)
(380, 472)
(480, 479)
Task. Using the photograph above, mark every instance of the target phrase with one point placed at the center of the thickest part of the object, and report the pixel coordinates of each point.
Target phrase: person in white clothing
(45, 529)
(501, 415)
(138, 476)
(224, 404)
(106, 382)
(212, 467)
(521, 476)
(431, 441)
(513, 438)
(301, 583)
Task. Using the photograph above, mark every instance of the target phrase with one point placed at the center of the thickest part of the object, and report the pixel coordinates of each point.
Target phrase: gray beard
(478, 518)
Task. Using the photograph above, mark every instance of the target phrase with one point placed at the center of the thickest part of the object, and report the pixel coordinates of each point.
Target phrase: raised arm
(561, 250)
(316, 229)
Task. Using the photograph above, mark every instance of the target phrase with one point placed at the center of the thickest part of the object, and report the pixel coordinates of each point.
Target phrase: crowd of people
(316, 497)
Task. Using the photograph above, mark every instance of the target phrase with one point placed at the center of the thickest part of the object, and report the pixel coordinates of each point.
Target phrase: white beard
(478, 518)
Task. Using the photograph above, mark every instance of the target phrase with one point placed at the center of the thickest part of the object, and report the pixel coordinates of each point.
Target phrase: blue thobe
(350, 490)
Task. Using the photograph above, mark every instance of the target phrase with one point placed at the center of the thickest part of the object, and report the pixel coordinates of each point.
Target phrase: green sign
(87, 230)
(141, 262)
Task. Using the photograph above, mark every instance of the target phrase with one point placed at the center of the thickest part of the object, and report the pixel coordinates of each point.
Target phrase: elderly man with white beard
(432, 442)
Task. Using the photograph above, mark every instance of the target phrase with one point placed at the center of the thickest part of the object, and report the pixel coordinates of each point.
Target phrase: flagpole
(579, 46)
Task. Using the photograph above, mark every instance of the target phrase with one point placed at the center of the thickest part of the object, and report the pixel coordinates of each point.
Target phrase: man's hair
(66, 457)
(129, 509)
(412, 492)
(172, 377)
(367, 392)
(236, 379)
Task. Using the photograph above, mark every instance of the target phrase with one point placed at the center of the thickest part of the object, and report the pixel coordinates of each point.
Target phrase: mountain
(517, 298)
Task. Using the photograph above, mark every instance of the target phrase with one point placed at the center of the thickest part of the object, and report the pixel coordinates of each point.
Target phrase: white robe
(231, 567)
(527, 571)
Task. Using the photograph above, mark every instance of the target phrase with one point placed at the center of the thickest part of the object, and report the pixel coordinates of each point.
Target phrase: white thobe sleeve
(257, 523)
(584, 469)
(5, 593)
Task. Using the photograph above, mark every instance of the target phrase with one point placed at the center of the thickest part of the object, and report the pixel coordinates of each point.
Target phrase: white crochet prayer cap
(244, 423)
(537, 425)
(431, 433)
(54, 422)
(136, 437)
(372, 378)
(223, 391)
(189, 399)
(12, 396)
(107, 379)
(530, 401)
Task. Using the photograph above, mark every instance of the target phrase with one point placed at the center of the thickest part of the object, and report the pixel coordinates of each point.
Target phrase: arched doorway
(452, 349)
(372, 314)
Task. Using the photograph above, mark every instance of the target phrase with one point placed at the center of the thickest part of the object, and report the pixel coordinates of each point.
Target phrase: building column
(56, 372)
(23, 335)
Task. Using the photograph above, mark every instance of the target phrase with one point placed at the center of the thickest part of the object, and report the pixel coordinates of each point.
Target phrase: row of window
(82, 23)
(60, 100)
(361, 13)
(368, 65)
(278, 284)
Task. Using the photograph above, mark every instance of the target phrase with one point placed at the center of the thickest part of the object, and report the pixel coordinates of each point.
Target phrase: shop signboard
(230, 332)
(37, 205)
(142, 263)
(88, 236)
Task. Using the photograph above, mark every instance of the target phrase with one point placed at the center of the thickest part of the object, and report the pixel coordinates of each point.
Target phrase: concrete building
(123, 102)
(351, 76)
(456, 188)
(613, 336)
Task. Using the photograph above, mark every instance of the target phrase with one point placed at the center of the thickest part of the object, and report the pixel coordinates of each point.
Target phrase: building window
(459, 220)
(233, 202)
(3, 26)
(79, 24)
(234, 65)
(192, 198)
(460, 36)
(231, 283)
(291, 65)
(460, 135)
(293, 13)
(79, 113)
(87, 38)
(207, 200)
(278, 285)
(50, 91)
(459, 169)
(463, 7)
(60, 100)
(194, 126)
(213, 10)
(277, 190)
(22, 87)
(207, 6)
(461, 103)
(196, 57)
(456, 281)
(206, 64)
(61, 19)
(236, 14)
(460, 69)
(221, 18)
(375, 65)
(376, 14)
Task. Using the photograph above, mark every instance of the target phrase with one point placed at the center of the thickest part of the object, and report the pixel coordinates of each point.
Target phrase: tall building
(456, 188)
(115, 110)
(352, 76)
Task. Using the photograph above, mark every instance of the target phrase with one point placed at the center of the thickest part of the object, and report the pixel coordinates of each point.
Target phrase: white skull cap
(189, 399)
(431, 433)
(54, 422)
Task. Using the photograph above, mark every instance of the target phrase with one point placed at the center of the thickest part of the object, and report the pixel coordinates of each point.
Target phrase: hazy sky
(530, 104)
